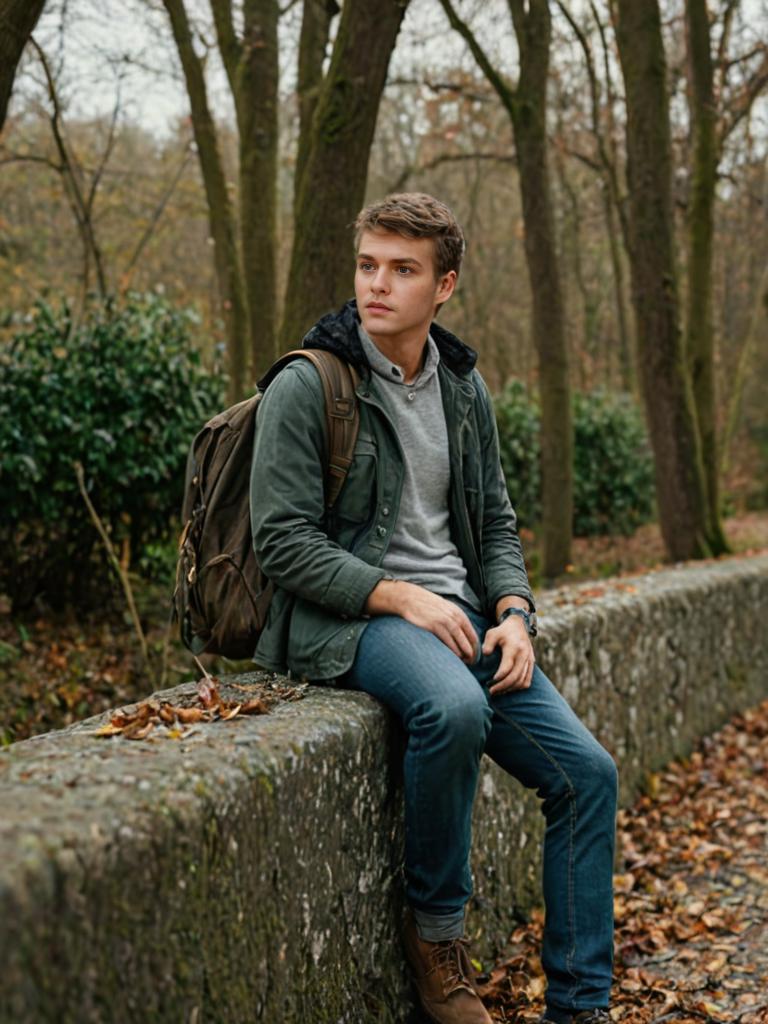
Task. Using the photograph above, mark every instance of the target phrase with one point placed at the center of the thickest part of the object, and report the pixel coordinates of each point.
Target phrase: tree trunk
(220, 218)
(332, 186)
(626, 368)
(526, 107)
(612, 204)
(680, 487)
(585, 353)
(256, 100)
(759, 313)
(699, 345)
(533, 30)
(17, 23)
(315, 27)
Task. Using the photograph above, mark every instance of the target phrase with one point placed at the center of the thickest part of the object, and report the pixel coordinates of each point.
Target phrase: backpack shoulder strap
(342, 415)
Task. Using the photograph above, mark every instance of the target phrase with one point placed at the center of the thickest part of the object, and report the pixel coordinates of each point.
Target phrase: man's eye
(404, 270)
(366, 266)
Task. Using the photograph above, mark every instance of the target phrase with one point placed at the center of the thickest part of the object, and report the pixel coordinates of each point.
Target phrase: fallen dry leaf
(187, 715)
(229, 713)
(137, 721)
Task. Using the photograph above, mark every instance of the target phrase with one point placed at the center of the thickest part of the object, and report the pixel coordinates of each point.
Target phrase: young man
(413, 589)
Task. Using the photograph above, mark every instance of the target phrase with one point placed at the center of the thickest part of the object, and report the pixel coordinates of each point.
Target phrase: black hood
(337, 332)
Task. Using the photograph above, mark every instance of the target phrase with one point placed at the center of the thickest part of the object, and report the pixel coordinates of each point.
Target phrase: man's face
(395, 285)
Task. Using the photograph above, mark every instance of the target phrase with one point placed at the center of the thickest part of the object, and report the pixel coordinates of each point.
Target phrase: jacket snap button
(381, 530)
(411, 395)
(385, 510)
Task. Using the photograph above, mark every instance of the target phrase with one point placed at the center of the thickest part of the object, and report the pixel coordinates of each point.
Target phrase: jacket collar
(337, 332)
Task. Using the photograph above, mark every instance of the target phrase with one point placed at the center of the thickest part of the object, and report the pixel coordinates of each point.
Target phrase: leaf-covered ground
(691, 897)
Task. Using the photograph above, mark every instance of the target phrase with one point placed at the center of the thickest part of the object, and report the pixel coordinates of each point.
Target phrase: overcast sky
(99, 46)
(97, 33)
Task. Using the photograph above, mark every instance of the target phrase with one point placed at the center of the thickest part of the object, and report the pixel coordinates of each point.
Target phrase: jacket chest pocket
(358, 495)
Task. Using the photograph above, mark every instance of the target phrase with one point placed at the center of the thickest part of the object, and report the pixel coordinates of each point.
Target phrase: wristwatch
(529, 618)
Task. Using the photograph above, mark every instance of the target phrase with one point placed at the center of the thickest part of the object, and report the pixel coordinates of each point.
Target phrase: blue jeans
(450, 720)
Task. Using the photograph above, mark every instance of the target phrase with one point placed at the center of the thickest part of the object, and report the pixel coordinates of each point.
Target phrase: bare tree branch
(31, 158)
(114, 561)
(72, 176)
(447, 158)
(742, 102)
(504, 89)
(731, 7)
(606, 159)
(111, 136)
(229, 45)
(155, 218)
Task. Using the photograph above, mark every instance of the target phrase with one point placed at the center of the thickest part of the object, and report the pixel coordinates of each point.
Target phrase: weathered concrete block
(251, 872)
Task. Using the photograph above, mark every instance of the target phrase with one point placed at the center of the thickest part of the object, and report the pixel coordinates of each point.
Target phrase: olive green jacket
(325, 564)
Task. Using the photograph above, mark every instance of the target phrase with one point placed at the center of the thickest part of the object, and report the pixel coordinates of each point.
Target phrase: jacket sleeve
(501, 550)
(287, 499)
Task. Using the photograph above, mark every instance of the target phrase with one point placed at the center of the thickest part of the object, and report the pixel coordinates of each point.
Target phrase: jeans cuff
(439, 927)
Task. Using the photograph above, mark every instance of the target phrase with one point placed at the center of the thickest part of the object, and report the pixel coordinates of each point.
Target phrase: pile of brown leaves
(691, 902)
(137, 722)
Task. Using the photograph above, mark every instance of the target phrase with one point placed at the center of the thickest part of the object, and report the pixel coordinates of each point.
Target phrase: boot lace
(448, 958)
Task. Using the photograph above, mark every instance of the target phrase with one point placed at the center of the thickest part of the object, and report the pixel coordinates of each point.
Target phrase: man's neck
(408, 354)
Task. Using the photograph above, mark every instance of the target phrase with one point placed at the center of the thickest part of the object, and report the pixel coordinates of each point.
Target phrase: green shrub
(613, 466)
(517, 417)
(123, 393)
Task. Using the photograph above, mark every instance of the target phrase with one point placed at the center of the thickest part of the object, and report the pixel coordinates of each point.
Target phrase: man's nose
(380, 282)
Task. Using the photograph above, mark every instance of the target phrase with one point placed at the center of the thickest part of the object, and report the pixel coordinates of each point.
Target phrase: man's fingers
(469, 637)
(491, 641)
(515, 680)
(446, 634)
(512, 661)
(458, 634)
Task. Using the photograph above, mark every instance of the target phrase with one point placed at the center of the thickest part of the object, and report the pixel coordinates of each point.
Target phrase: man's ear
(445, 287)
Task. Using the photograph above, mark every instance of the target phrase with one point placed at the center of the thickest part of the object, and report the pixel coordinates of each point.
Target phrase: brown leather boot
(443, 975)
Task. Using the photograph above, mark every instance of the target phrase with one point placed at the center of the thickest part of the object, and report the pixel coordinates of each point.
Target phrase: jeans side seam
(571, 833)
(573, 992)
(534, 742)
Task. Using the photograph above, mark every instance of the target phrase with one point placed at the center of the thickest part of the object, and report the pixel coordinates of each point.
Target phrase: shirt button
(411, 395)
(385, 510)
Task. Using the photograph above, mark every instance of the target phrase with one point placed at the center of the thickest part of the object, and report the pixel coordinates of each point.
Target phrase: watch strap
(528, 618)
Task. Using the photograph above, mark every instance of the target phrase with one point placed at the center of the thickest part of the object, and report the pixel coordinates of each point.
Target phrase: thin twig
(115, 562)
(203, 669)
(155, 218)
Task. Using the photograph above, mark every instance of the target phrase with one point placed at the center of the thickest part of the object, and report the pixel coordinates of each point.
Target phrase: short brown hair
(416, 215)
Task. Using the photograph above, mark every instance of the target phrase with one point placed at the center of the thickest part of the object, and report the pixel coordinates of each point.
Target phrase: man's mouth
(378, 305)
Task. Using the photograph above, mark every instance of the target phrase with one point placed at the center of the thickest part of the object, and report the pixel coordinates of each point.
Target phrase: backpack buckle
(343, 408)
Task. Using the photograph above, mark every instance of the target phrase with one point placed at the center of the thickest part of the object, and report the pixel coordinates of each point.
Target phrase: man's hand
(517, 659)
(421, 607)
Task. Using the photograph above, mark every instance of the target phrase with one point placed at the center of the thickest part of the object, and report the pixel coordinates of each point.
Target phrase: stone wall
(251, 872)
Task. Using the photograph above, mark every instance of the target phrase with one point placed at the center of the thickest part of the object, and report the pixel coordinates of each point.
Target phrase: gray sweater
(421, 549)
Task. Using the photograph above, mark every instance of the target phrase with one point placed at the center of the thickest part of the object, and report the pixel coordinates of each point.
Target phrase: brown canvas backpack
(221, 597)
